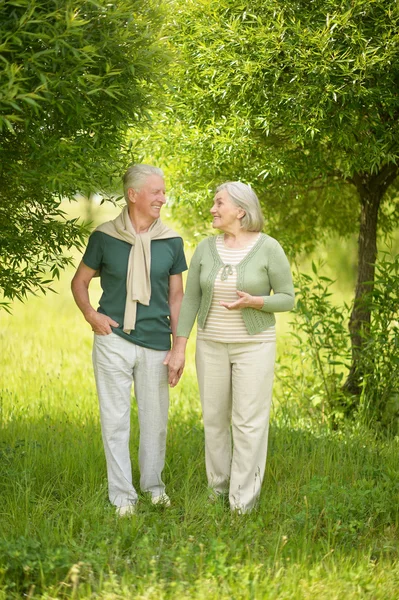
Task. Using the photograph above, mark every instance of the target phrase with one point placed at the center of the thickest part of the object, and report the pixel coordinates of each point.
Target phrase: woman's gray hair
(244, 197)
(136, 175)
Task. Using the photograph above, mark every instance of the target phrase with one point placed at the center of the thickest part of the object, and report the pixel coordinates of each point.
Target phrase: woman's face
(226, 215)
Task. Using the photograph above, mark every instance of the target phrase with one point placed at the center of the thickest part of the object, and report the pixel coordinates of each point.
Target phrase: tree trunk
(371, 189)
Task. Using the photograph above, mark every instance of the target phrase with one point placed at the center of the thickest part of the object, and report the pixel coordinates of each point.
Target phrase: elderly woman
(228, 287)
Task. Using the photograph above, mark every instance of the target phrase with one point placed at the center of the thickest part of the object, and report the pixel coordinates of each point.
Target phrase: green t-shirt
(110, 256)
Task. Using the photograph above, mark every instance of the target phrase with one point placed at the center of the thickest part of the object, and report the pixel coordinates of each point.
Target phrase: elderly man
(140, 261)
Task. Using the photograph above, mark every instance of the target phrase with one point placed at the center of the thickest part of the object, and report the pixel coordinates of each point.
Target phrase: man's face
(149, 200)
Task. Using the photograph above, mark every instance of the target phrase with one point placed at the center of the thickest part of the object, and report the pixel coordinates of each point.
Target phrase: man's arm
(100, 324)
(175, 367)
(175, 299)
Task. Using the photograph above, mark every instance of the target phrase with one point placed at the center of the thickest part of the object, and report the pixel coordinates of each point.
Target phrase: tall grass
(326, 527)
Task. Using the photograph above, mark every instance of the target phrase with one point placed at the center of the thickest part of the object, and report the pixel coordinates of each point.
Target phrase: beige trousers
(235, 383)
(118, 364)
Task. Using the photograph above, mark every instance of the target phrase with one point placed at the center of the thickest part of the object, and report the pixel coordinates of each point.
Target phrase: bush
(25, 564)
(320, 353)
(379, 404)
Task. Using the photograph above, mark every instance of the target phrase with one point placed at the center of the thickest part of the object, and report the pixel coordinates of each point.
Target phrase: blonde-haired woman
(228, 288)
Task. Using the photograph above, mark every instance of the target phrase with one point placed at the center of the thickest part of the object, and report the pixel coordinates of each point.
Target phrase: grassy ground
(326, 528)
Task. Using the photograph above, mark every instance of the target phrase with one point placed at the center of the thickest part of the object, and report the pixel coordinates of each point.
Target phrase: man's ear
(131, 193)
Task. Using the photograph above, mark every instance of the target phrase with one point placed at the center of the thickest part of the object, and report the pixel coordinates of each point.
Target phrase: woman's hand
(244, 301)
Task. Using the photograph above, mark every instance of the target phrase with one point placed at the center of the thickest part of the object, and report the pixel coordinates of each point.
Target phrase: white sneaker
(125, 511)
(162, 500)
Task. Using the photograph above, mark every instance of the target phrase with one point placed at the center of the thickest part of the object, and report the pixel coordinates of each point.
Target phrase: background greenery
(74, 76)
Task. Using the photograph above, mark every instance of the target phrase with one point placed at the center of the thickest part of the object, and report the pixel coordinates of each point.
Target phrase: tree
(300, 99)
(74, 76)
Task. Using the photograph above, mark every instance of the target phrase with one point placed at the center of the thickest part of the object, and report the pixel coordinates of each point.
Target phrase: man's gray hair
(244, 197)
(136, 175)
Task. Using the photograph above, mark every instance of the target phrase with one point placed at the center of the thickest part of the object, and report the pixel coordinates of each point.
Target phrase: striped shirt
(223, 325)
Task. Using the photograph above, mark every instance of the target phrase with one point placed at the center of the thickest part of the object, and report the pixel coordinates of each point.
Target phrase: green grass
(326, 527)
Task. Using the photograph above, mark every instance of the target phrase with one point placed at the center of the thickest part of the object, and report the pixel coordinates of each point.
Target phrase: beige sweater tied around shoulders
(138, 283)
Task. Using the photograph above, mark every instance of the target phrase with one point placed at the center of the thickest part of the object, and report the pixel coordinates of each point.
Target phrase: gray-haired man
(140, 261)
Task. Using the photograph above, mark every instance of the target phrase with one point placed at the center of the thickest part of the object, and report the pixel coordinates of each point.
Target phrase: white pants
(235, 383)
(117, 364)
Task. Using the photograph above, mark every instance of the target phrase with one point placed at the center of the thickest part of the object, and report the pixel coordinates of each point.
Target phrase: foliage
(74, 75)
(295, 98)
(24, 561)
(313, 372)
(380, 357)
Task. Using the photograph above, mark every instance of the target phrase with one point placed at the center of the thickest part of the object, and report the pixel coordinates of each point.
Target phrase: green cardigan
(263, 269)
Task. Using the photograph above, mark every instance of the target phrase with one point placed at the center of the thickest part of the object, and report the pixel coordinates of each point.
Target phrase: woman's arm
(192, 296)
(280, 278)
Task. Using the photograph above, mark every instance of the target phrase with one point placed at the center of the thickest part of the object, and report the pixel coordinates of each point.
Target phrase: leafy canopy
(294, 97)
(74, 75)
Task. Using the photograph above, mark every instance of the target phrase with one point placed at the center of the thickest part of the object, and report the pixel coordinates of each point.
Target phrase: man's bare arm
(175, 299)
(175, 361)
(100, 324)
